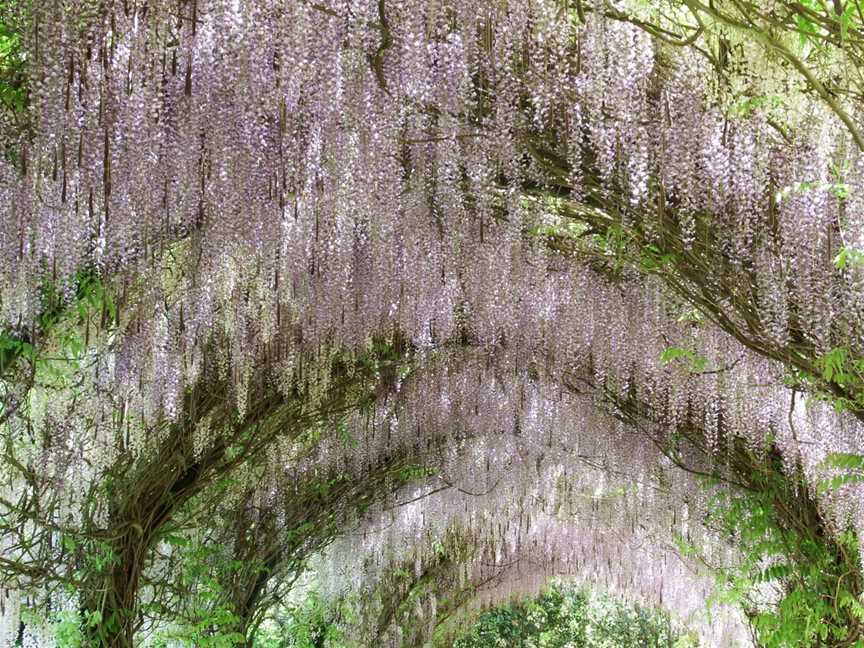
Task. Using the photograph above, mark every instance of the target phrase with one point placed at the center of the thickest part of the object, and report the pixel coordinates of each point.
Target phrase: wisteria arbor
(429, 302)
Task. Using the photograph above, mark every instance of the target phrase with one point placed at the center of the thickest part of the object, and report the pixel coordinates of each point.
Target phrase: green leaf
(673, 353)
(849, 257)
(699, 364)
(833, 364)
(846, 21)
(844, 460)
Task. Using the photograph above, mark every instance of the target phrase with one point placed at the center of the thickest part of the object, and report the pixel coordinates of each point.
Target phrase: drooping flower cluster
(264, 187)
(278, 162)
(543, 485)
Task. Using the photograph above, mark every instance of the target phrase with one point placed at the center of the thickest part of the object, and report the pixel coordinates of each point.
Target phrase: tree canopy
(367, 317)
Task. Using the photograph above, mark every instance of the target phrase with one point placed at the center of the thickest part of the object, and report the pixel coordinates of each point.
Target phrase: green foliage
(94, 556)
(747, 106)
(653, 259)
(834, 366)
(851, 467)
(207, 620)
(14, 86)
(13, 90)
(817, 576)
(67, 627)
(309, 623)
(614, 244)
(838, 367)
(695, 363)
(64, 329)
(567, 616)
(67, 630)
(408, 474)
(849, 258)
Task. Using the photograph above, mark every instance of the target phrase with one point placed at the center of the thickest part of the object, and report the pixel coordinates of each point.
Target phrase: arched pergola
(546, 281)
